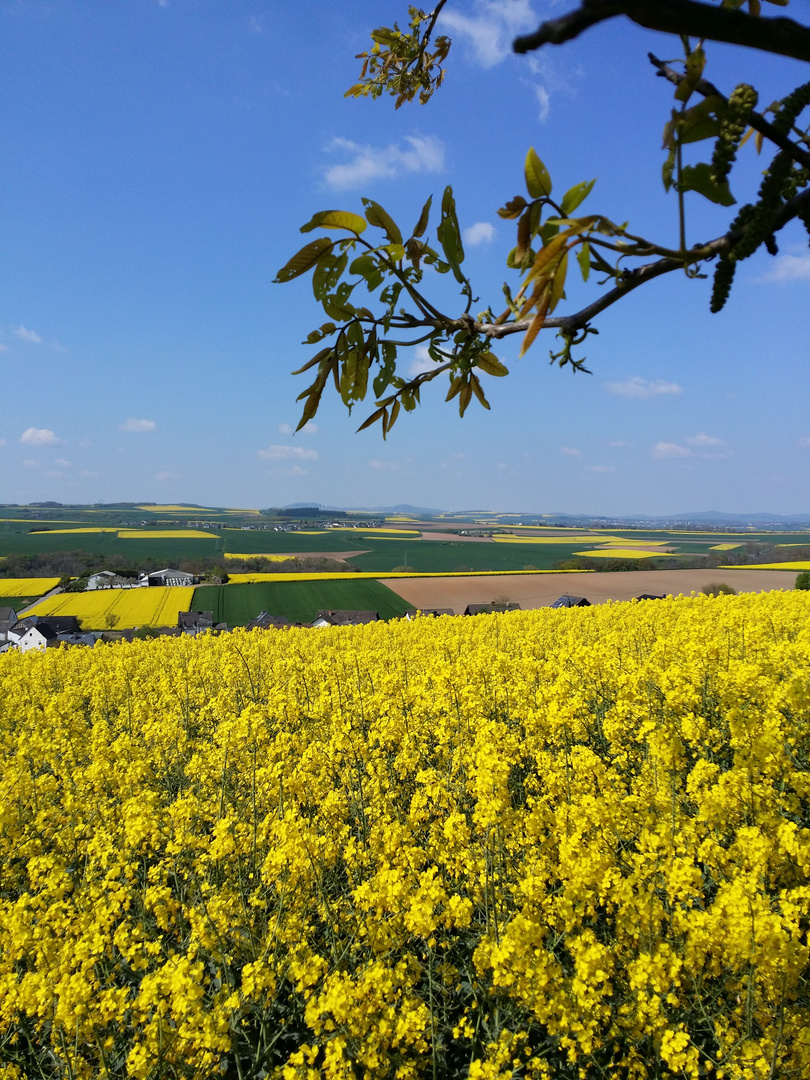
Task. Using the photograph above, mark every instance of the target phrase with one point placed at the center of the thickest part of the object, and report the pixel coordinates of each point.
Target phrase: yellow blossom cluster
(549, 844)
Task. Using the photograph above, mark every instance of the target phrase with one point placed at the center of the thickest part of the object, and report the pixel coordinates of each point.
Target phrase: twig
(779, 35)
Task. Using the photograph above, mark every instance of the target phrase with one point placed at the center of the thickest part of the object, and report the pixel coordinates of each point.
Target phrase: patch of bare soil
(541, 590)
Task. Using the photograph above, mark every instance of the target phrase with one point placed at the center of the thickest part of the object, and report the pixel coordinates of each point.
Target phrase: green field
(298, 601)
(17, 602)
(255, 541)
(161, 549)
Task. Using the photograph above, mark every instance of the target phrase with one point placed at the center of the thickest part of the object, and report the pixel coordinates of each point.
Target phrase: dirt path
(541, 590)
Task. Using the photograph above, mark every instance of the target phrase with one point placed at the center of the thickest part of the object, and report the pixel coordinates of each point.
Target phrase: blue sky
(159, 157)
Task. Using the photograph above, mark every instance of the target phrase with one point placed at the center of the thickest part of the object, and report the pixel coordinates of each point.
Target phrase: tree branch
(631, 279)
(780, 35)
(755, 120)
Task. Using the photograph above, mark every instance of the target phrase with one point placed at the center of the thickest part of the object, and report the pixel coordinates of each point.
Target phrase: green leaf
(395, 251)
(584, 260)
(422, 223)
(490, 363)
(698, 123)
(538, 181)
(320, 334)
(305, 259)
(576, 195)
(698, 178)
(695, 63)
(316, 359)
(327, 274)
(336, 219)
(668, 169)
(513, 208)
(376, 215)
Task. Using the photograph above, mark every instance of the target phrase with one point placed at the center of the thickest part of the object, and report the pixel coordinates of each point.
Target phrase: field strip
(244, 579)
(163, 534)
(620, 553)
(802, 565)
(535, 590)
(24, 586)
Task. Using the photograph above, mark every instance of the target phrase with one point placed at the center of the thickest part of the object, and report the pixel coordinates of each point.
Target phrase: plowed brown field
(541, 590)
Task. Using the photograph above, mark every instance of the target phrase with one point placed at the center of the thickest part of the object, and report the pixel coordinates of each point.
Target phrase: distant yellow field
(246, 579)
(190, 510)
(27, 586)
(803, 565)
(260, 555)
(156, 606)
(618, 553)
(604, 539)
(161, 534)
(729, 547)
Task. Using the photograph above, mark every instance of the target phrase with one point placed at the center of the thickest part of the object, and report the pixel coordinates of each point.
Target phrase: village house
(342, 617)
(491, 608)
(571, 601)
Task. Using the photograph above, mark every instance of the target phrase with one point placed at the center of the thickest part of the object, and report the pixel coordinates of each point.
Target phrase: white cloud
(543, 102)
(479, 233)
(420, 362)
(600, 468)
(167, 474)
(31, 463)
(39, 437)
(307, 429)
(570, 451)
(617, 444)
(704, 440)
(285, 453)
(636, 387)
(134, 424)
(375, 464)
(804, 440)
(297, 470)
(788, 268)
(31, 336)
(62, 464)
(490, 31)
(84, 443)
(424, 154)
(670, 450)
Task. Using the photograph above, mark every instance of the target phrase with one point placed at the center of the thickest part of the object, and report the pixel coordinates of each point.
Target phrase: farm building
(342, 617)
(169, 577)
(571, 601)
(265, 621)
(491, 608)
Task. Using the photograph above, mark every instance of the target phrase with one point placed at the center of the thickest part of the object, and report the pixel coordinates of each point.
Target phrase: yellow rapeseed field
(27, 586)
(241, 579)
(796, 565)
(259, 555)
(551, 844)
(155, 606)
